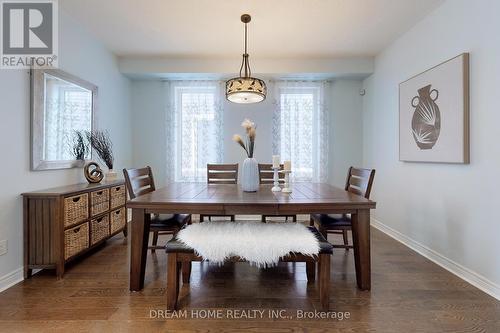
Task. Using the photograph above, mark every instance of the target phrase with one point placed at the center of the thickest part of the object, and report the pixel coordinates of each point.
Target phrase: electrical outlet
(3, 247)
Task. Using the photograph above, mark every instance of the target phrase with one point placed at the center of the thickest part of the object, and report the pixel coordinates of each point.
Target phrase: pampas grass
(251, 132)
(239, 140)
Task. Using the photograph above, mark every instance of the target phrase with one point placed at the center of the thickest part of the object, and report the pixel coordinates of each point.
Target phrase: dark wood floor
(409, 294)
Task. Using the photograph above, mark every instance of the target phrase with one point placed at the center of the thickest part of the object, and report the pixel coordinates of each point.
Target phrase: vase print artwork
(426, 121)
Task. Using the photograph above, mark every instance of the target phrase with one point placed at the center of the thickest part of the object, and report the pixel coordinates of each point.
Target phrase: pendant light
(245, 89)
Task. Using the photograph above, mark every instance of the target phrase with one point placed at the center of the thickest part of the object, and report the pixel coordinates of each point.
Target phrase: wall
(148, 106)
(346, 129)
(345, 107)
(81, 55)
(444, 211)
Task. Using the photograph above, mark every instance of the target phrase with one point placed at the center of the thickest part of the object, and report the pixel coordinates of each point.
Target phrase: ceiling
(279, 28)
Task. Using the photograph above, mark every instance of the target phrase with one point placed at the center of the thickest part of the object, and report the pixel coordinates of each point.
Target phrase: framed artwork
(434, 114)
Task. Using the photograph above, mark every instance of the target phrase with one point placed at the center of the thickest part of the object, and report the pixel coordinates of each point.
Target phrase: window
(197, 136)
(67, 109)
(300, 129)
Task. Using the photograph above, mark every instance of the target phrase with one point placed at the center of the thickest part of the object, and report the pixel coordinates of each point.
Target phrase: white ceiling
(279, 28)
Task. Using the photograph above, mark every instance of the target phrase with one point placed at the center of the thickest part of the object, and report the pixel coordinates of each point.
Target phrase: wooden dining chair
(266, 177)
(221, 174)
(359, 181)
(140, 181)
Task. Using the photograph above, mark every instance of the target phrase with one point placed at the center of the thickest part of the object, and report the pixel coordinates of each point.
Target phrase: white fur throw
(261, 244)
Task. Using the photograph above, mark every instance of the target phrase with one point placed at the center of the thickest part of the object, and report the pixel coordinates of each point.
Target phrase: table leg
(139, 248)
(324, 281)
(361, 242)
(172, 281)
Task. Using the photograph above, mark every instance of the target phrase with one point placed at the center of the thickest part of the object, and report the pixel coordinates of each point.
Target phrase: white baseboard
(10, 279)
(462, 272)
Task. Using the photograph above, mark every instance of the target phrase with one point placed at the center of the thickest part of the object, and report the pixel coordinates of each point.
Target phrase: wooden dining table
(218, 199)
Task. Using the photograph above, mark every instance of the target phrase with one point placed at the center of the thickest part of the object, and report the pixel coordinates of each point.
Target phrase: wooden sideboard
(62, 223)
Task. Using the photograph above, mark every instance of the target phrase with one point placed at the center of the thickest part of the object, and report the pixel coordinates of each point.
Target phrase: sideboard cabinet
(62, 223)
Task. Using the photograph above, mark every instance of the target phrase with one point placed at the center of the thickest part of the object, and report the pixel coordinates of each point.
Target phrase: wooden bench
(180, 258)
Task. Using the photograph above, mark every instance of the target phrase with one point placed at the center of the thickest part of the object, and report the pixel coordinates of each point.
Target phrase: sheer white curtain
(300, 128)
(194, 128)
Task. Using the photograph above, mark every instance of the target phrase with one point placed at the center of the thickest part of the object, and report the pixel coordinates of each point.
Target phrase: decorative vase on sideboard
(250, 175)
(111, 175)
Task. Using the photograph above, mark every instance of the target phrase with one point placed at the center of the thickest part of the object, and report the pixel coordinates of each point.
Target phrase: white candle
(287, 165)
(276, 161)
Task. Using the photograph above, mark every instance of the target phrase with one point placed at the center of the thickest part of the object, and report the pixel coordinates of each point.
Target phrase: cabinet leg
(27, 272)
(59, 271)
(125, 230)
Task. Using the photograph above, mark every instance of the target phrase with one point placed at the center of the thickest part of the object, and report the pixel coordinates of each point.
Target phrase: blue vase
(250, 175)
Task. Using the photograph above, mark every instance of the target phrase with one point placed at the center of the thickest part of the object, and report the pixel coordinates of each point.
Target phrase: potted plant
(250, 170)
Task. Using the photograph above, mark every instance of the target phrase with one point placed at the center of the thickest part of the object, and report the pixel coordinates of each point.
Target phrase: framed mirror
(61, 105)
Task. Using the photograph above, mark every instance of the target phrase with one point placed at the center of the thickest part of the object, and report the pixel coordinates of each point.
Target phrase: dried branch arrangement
(101, 142)
(80, 148)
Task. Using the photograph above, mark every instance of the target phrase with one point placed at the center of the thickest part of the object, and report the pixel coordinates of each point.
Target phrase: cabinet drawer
(118, 220)
(76, 209)
(118, 196)
(76, 239)
(99, 229)
(99, 202)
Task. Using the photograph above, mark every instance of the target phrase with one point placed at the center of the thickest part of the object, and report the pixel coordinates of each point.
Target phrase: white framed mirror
(61, 105)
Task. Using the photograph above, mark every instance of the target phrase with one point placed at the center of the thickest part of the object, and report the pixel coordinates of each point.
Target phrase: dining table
(230, 199)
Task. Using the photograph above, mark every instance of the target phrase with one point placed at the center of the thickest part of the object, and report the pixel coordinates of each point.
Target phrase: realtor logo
(29, 34)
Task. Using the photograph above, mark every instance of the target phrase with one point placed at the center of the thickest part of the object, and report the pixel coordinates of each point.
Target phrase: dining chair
(221, 174)
(140, 181)
(266, 177)
(359, 181)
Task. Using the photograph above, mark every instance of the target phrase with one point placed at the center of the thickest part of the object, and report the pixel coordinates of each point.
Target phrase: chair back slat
(139, 181)
(222, 173)
(360, 181)
(359, 172)
(142, 191)
(266, 173)
(222, 167)
(134, 173)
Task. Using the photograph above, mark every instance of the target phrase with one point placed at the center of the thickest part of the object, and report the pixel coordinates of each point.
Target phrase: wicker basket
(118, 220)
(99, 229)
(76, 209)
(118, 196)
(76, 239)
(99, 202)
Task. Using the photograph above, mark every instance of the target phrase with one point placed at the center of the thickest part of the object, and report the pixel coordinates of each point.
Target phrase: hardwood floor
(409, 294)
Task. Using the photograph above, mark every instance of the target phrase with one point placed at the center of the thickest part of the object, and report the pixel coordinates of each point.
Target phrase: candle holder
(286, 187)
(276, 179)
